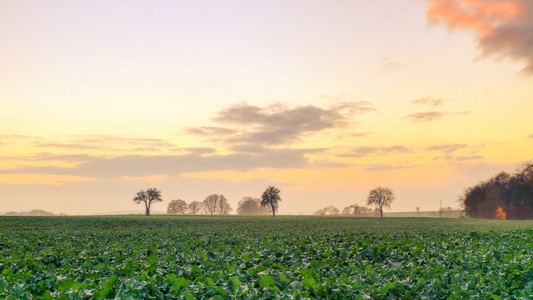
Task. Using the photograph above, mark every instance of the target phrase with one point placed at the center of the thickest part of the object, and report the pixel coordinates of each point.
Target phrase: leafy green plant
(235, 257)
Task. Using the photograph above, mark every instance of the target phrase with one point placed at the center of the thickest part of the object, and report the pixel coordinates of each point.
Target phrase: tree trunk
(147, 213)
(273, 211)
(381, 211)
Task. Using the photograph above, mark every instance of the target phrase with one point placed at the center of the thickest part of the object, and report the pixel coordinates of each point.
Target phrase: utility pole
(440, 211)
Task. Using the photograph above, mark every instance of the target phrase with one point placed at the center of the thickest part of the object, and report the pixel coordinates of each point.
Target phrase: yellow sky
(324, 99)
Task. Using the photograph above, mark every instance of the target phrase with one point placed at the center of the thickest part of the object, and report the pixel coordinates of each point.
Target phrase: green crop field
(263, 257)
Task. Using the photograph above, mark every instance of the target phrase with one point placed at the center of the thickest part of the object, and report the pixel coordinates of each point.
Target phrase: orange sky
(324, 99)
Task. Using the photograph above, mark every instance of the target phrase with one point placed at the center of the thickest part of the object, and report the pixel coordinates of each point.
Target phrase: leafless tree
(177, 207)
(195, 207)
(380, 197)
(216, 205)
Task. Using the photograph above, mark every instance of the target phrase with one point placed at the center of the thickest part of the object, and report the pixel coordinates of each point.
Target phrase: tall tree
(177, 207)
(271, 198)
(195, 207)
(380, 197)
(148, 197)
(216, 205)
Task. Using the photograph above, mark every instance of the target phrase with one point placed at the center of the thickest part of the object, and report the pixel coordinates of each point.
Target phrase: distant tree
(417, 210)
(347, 210)
(270, 198)
(216, 205)
(250, 206)
(328, 210)
(195, 207)
(149, 196)
(380, 197)
(333, 210)
(177, 207)
(320, 212)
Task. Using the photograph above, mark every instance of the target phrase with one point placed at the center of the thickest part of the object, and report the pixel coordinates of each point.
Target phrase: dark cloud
(430, 101)
(503, 28)
(278, 124)
(430, 116)
(367, 151)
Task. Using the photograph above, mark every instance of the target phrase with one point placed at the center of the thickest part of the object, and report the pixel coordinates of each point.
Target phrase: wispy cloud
(531, 136)
(47, 179)
(109, 142)
(430, 116)
(368, 150)
(469, 157)
(430, 101)
(386, 167)
(502, 27)
(149, 165)
(448, 148)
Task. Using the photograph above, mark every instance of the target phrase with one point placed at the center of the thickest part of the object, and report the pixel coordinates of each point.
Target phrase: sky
(324, 99)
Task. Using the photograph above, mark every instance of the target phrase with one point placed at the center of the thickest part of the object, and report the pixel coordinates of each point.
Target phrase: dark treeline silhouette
(503, 196)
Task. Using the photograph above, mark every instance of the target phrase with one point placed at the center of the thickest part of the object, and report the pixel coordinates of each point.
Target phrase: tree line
(213, 204)
(380, 197)
(504, 196)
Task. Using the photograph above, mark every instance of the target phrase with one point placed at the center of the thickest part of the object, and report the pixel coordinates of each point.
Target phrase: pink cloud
(503, 27)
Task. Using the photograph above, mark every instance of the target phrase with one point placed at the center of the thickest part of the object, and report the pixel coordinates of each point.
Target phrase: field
(264, 257)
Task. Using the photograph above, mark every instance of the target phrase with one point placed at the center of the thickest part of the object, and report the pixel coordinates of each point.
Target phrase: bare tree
(250, 206)
(328, 210)
(347, 210)
(271, 198)
(195, 207)
(177, 207)
(216, 205)
(148, 196)
(380, 197)
(320, 212)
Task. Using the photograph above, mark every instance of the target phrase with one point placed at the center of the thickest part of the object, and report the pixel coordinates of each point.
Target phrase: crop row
(306, 260)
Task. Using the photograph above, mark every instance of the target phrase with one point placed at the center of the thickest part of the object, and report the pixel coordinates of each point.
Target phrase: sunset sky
(325, 99)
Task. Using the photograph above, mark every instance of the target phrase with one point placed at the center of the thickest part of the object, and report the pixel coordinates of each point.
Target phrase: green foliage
(235, 257)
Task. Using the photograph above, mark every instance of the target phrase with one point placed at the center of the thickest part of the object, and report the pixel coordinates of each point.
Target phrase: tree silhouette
(216, 205)
(195, 207)
(271, 198)
(380, 197)
(177, 207)
(148, 196)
